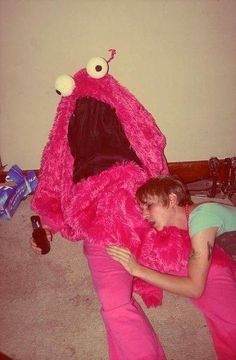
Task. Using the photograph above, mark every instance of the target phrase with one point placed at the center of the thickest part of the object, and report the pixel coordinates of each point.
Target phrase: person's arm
(191, 285)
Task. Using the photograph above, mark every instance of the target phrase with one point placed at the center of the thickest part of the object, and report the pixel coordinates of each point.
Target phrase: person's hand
(34, 246)
(124, 257)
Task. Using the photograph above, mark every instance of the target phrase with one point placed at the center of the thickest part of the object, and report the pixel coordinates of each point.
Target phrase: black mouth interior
(96, 139)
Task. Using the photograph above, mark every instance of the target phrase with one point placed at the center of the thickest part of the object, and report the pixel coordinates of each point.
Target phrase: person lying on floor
(165, 202)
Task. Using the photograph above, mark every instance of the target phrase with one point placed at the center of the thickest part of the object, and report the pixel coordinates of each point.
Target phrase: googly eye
(97, 68)
(64, 85)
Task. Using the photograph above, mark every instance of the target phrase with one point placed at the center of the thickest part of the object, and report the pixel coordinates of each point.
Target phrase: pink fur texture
(102, 208)
(56, 192)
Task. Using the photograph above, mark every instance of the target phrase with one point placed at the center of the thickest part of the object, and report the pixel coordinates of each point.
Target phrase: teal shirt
(212, 214)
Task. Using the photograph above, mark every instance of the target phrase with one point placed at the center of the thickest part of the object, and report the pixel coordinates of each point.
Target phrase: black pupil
(98, 67)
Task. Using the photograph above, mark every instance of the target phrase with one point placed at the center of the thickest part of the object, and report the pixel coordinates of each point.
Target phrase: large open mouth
(96, 139)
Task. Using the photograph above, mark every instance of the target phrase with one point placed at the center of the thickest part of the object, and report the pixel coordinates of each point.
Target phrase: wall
(176, 57)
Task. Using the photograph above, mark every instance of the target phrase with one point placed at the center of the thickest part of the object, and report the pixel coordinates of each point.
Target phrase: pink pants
(129, 333)
(218, 304)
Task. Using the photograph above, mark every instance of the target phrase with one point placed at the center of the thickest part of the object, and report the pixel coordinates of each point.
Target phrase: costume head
(106, 124)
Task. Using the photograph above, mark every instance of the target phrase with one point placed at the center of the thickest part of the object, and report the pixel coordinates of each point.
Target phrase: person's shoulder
(203, 216)
(216, 207)
(209, 206)
(204, 206)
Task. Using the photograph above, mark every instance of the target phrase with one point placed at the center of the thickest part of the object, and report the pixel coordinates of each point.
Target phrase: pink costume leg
(130, 334)
(218, 303)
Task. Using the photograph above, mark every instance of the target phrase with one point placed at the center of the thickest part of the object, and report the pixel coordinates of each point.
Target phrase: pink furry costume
(102, 146)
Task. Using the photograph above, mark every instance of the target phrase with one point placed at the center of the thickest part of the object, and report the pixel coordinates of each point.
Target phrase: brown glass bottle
(39, 235)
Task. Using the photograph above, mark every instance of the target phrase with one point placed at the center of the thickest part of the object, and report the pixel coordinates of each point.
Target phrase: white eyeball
(64, 85)
(97, 68)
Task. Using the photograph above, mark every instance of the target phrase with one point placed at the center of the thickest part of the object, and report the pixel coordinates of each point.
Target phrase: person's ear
(173, 200)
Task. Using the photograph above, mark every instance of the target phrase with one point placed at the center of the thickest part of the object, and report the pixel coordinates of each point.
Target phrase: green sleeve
(201, 220)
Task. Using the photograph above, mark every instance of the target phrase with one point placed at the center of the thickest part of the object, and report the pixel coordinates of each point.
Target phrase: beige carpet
(49, 311)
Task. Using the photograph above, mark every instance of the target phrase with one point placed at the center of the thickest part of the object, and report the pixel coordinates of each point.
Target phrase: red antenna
(113, 53)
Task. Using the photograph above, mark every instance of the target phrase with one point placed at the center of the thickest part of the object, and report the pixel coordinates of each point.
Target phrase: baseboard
(188, 171)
